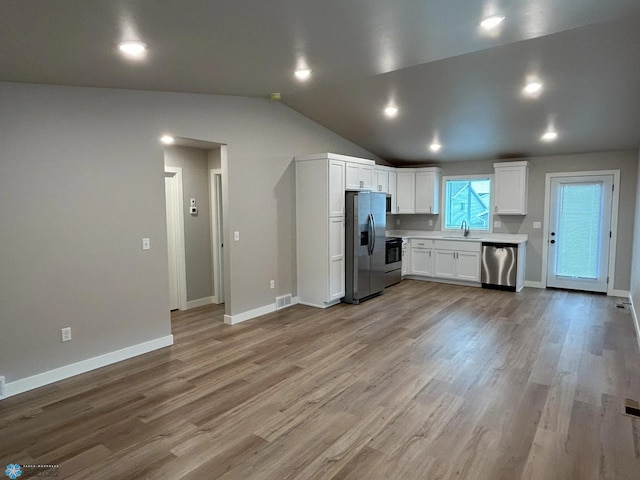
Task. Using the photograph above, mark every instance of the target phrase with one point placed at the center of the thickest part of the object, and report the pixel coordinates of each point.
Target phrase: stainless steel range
(393, 260)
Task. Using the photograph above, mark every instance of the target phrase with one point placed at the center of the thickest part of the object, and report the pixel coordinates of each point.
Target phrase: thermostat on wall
(193, 210)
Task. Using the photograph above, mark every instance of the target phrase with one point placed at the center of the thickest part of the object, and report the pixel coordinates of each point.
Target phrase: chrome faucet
(465, 228)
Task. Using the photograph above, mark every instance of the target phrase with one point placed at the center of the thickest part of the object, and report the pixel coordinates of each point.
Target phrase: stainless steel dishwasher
(499, 266)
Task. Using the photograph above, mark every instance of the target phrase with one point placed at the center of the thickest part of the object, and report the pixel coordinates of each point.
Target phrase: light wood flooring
(428, 381)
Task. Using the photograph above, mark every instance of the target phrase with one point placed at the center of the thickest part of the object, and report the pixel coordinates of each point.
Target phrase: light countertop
(473, 237)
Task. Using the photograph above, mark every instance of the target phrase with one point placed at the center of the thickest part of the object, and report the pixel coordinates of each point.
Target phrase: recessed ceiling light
(132, 49)
(533, 88)
(549, 136)
(435, 147)
(391, 111)
(490, 23)
(303, 73)
(167, 139)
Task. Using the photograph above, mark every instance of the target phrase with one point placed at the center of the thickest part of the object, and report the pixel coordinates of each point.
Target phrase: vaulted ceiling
(450, 80)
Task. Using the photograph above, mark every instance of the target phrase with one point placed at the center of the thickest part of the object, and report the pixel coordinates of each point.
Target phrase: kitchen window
(467, 198)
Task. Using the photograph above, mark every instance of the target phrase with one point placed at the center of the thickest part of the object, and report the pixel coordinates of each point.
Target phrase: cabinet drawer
(421, 243)
(457, 245)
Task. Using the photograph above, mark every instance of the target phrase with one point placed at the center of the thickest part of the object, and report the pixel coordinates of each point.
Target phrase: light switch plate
(65, 334)
(236, 236)
(146, 244)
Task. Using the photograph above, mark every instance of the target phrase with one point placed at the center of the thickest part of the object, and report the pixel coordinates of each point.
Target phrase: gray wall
(82, 182)
(625, 161)
(197, 228)
(635, 263)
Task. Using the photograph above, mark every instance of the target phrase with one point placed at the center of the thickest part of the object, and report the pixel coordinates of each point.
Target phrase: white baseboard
(619, 293)
(532, 284)
(256, 312)
(636, 322)
(45, 378)
(201, 302)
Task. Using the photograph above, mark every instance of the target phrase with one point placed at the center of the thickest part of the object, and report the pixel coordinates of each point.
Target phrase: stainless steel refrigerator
(366, 221)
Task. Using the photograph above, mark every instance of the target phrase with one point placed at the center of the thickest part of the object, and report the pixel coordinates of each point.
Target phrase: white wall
(82, 181)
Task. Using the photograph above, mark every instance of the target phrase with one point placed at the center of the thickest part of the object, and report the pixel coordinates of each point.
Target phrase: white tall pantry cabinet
(320, 189)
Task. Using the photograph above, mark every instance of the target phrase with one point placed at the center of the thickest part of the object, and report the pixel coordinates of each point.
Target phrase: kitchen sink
(459, 237)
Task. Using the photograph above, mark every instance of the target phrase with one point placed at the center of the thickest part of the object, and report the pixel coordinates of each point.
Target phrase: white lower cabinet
(406, 257)
(421, 257)
(336, 258)
(457, 260)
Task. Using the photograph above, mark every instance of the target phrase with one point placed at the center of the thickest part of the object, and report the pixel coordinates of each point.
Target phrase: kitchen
(433, 253)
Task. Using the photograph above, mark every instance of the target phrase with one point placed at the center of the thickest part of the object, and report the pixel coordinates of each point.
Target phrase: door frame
(176, 173)
(615, 201)
(217, 226)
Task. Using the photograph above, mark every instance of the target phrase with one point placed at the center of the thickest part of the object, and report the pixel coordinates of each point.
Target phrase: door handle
(373, 223)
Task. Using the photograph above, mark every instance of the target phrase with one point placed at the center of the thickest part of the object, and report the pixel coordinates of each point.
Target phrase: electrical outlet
(430, 223)
(537, 225)
(397, 221)
(497, 224)
(3, 388)
(65, 334)
(272, 284)
(236, 236)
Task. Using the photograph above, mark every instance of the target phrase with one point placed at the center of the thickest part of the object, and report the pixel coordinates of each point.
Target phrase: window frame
(443, 200)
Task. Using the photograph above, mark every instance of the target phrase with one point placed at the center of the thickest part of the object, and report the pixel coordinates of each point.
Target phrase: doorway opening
(194, 187)
(580, 230)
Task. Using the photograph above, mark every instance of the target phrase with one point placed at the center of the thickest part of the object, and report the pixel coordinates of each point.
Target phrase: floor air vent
(632, 408)
(284, 301)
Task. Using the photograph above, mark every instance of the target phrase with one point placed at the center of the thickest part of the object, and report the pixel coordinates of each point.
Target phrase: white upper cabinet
(511, 188)
(393, 190)
(336, 188)
(359, 176)
(406, 191)
(427, 190)
(381, 180)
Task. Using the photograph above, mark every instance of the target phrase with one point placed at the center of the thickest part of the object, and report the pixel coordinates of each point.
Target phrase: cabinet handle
(361, 184)
(496, 208)
(398, 208)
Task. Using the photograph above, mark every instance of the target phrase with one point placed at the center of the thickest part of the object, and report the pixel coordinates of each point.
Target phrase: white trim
(57, 374)
(316, 305)
(618, 293)
(636, 321)
(615, 201)
(257, 312)
(443, 200)
(200, 302)
(180, 243)
(532, 284)
(216, 237)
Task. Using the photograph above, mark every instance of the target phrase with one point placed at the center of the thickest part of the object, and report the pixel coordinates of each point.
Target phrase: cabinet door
(406, 260)
(336, 188)
(511, 190)
(468, 266)
(393, 192)
(422, 261)
(381, 183)
(406, 192)
(366, 177)
(336, 258)
(353, 176)
(427, 192)
(445, 264)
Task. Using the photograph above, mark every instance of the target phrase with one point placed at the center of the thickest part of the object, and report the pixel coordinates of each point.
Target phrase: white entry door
(579, 232)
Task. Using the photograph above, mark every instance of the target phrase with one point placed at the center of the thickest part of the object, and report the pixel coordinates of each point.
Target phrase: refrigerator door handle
(373, 229)
(370, 229)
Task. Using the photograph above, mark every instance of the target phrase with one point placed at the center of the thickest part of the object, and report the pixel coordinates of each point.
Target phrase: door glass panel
(579, 227)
